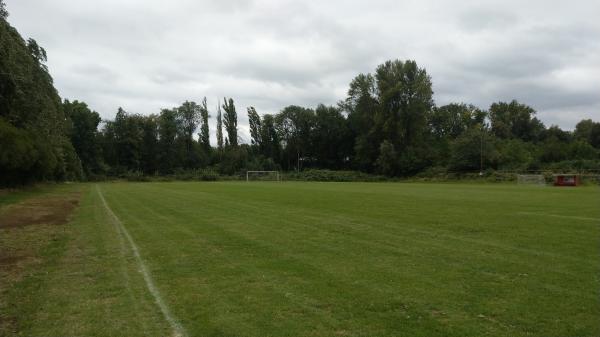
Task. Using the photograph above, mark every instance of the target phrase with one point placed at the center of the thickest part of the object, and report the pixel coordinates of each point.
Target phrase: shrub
(337, 176)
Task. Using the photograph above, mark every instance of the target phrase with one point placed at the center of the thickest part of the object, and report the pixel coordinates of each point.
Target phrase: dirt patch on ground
(10, 260)
(21, 242)
(54, 210)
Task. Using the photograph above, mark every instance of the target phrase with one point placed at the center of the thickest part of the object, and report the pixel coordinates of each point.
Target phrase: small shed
(566, 180)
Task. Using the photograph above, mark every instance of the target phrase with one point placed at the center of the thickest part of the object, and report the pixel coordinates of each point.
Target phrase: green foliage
(204, 135)
(405, 96)
(149, 145)
(294, 125)
(515, 155)
(167, 134)
(234, 160)
(515, 120)
(18, 154)
(255, 127)
(332, 176)
(452, 120)
(589, 131)
(83, 132)
(387, 124)
(330, 138)
(387, 162)
(392, 107)
(270, 146)
(35, 143)
(230, 122)
(473, 150)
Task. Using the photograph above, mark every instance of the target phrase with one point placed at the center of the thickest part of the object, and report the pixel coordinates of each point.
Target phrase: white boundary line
(178, 330)
(561, 216)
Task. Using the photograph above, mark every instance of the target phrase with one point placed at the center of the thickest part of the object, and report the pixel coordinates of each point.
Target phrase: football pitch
(320, 259)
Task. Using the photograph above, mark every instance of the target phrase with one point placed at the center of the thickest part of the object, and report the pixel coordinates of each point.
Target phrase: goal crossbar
(276, 173)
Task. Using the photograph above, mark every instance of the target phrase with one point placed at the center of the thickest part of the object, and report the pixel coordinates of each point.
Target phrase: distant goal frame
(277, 175)
(531, 179)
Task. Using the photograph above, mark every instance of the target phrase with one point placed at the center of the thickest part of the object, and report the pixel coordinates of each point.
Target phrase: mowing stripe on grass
(178, 330)
(562, 216)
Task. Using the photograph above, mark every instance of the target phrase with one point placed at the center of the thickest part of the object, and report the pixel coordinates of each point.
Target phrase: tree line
(388, 124)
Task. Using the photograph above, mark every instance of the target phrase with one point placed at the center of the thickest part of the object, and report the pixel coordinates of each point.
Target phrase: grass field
(316, 259)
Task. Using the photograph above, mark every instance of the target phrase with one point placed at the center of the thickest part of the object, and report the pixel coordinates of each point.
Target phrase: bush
(135, 176)
(337, 176)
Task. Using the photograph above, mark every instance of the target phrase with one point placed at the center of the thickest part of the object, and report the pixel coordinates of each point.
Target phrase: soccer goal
(531, 179)
(262, 176)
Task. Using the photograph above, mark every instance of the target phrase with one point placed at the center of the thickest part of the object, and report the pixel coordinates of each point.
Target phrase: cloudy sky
(145, 55)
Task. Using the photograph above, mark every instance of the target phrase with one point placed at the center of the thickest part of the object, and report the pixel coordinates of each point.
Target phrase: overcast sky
(145, 55)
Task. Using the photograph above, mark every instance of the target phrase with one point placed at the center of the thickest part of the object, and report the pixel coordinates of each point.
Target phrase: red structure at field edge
(566, 180)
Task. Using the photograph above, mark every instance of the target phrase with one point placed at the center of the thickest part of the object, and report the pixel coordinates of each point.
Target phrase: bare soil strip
(53, 210)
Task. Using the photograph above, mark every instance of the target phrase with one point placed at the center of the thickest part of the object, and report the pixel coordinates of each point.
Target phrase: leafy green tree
(594, 137)
(392, 106)
(189, 116)
(234, 159)
(230, 121)
(556, 132)
(515, 155)
(448, 122)
(38, 53)
(472, 149)
(270, 144)
(255, 126)
(582, 150)
(84, 135)
(294, 125)
(32, 112)
(204, 135)
(219, 129)
(387, 162)
(362, 106)
(405, 96)
(552, 149)
(515, 120)
(150, 145)
(331, 142)
(167, 135)
(589, 131)
(18, 155)
(128, 136)
(452, 120)
(583, 129)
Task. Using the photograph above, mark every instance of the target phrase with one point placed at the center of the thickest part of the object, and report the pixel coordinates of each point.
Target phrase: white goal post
(532, 179)
(263, 175)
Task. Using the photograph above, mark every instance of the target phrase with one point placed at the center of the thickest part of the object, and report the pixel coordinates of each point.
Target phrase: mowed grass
(327, 259)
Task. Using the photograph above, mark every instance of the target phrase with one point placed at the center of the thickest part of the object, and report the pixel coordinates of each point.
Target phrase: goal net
(531, 179)
(262, 176)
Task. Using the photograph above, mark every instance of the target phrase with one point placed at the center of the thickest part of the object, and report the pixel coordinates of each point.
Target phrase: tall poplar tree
(230, 121)
(219, 128)
(255, 126)
(204, 134)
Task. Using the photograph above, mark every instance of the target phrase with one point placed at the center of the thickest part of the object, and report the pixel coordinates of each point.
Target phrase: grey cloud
(149, 54)
(477, 19)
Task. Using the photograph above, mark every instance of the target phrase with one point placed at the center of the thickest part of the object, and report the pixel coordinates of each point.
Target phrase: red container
(566, 180)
